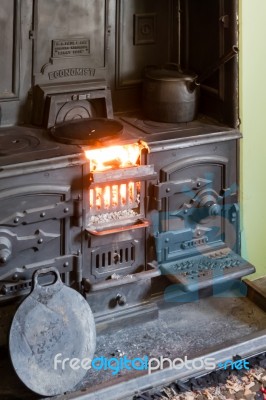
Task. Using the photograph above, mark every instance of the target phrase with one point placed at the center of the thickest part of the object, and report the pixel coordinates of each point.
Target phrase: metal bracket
(167, 189)
(55, 211)
(12, 243)
(19, 279)
(141, 173)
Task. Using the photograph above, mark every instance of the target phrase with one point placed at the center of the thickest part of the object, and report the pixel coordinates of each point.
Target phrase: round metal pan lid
(87, 131)
(52, 324)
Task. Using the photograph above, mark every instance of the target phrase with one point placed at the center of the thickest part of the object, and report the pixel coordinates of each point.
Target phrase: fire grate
(114, 198)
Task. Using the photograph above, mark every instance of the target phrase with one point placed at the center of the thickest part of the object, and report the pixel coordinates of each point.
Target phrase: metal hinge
(33, 215)
(225, 20)
(31, 35)
(64, 264)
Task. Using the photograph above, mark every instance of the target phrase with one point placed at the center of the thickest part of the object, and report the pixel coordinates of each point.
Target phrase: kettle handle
(222, 60)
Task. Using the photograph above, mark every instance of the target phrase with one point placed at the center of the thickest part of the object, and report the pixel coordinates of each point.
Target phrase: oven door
(196, 236)
(35, 232)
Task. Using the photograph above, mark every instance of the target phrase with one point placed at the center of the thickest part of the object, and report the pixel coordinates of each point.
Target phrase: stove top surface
(26, 144)
(154, 131)
(15, 143)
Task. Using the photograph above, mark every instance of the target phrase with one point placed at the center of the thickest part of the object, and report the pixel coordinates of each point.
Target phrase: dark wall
(209, 29)
(55, 42)
(142, 33)
(15, 59)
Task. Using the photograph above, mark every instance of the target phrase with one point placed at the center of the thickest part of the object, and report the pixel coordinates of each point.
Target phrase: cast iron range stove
(123, 207)
(111, 218)
(120, 219)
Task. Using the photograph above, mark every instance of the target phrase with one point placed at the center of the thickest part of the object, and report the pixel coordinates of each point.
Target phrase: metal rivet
(42, 214)
(199, 184)
(66, 210)
(185, 211)
(15, 277)
(4, 290)
(66, 264)
(166, 240)
(16, 220)
(40, 241)
(121, 299)
(199, 233)
(168, 190)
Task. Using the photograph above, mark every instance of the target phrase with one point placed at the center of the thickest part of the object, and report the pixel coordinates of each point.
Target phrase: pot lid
(87, 131)
(168, 74)
(54, 321)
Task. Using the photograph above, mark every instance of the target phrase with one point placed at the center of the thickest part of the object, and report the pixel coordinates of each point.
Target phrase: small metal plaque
(62, 48)
(144, 29)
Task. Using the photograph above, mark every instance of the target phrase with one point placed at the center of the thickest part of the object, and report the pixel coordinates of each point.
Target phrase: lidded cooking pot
(171, 95)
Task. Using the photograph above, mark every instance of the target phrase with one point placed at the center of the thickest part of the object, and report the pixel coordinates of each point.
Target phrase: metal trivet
(201, 271)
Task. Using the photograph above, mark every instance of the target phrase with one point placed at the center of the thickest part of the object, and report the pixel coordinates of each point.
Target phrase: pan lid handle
(47, 271)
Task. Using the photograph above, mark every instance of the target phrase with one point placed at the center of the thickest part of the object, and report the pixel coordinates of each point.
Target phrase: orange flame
(123, 194)
(115, 156)
(115, 196)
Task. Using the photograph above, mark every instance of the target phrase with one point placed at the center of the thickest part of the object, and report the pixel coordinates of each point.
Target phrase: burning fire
(113, 196)
(113, 157)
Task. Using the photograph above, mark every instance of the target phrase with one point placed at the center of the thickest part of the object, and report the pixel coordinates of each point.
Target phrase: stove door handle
(5, 250)
(138, 225)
